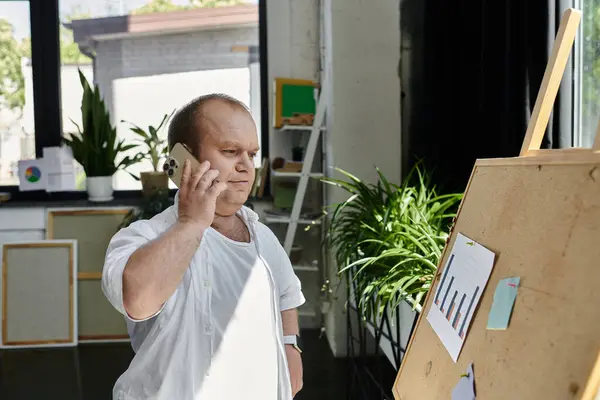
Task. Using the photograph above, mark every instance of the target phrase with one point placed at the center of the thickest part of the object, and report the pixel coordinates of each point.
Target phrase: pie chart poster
(32, 175)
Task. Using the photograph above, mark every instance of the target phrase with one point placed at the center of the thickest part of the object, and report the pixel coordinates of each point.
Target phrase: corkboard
(540, 214)
(543, 222)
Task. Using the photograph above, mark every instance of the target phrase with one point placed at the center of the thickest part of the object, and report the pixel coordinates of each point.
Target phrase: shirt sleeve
(290, 288)
(120, 248)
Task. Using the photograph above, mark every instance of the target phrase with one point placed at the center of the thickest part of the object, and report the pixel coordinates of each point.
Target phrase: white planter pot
(100, 188)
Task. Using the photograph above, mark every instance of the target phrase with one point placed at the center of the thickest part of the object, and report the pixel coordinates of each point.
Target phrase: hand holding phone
(198, 194)
(198, 185)
(173, 165)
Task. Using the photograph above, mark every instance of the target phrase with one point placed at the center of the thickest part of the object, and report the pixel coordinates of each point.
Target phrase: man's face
(230, 142)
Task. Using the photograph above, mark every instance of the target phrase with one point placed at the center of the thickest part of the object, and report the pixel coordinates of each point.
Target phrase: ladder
(309, 157)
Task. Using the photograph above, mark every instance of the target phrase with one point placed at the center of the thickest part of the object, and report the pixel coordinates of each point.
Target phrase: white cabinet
(20, 224)
(13, 218)
(17, 224)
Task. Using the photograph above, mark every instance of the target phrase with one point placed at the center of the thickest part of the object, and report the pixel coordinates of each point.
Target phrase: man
(208, 293)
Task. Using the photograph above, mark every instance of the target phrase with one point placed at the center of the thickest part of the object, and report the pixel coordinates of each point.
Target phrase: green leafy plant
(389, 238)
(156, 147)
(96, 146)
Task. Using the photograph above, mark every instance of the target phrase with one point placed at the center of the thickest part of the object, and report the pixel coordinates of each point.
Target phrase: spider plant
(389, 238)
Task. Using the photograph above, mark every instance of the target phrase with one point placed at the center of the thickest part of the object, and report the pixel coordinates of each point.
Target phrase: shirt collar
(246, 213)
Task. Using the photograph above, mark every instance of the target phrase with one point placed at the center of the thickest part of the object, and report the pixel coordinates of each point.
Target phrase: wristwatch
(293, 340)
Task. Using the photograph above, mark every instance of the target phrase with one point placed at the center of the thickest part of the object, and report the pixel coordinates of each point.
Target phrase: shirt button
(208, 329)
(206, 283)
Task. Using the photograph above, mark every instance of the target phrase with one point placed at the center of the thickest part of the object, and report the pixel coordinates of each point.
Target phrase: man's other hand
(294, 359)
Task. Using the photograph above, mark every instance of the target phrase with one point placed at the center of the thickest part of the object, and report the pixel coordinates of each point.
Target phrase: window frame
(46, 73)
(577, 52)
(579, 106)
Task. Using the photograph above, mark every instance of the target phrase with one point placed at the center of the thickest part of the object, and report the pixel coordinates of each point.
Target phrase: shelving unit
(298, 128)
(277, 174)
(306, 268)
(290, 224)
(288, 220)
(305, 175)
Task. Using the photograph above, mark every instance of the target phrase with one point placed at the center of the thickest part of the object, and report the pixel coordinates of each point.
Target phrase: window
(17, 131)
(153, 56)
(587, 64)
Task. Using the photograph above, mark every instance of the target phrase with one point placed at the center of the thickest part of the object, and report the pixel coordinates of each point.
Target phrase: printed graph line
(456, 319)
(446, 294)
(437, 296)
(451, 305)
(457, 316)
(462, 327)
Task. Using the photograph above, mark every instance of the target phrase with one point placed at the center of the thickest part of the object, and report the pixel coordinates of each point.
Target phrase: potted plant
(150, 206)
(157, 148)
(388, 240)
(95, 146)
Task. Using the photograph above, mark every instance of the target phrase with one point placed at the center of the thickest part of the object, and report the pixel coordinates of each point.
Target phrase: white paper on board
(457, 295)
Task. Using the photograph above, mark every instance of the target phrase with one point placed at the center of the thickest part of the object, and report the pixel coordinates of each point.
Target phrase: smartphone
(173, 165)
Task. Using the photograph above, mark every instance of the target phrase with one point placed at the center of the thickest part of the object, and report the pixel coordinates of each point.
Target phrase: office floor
(89, 372)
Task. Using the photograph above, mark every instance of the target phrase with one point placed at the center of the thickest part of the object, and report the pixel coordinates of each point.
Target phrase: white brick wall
(186, 52)
(108, 66)
(169, 53)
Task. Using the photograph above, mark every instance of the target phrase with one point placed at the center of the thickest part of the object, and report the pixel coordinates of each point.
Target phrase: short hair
(184, 127)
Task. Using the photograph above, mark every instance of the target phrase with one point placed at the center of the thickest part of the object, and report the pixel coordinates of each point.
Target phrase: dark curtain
(482, 64)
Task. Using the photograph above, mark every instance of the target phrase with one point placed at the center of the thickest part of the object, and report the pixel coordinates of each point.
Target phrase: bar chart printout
(455, 299)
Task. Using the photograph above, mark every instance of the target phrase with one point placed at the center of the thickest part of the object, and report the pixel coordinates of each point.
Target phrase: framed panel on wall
(98, 321)
(39, 292)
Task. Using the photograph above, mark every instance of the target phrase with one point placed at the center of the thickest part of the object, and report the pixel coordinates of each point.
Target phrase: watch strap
(293, 340)
(290, 339)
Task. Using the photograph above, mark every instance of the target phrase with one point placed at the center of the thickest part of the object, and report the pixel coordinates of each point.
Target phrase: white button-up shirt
(219, 336)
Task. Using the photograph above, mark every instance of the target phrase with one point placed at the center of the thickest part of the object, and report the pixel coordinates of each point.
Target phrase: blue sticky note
(504, 300)
(465, 388)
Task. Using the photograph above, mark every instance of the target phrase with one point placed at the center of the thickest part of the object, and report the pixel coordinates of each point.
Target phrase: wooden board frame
(54, 212)
(85, 275)
(71, 245)
(427, 371)
(278, 84)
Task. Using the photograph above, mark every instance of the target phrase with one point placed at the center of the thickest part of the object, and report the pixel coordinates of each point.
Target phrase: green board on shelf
(298, 99)
(293, 96)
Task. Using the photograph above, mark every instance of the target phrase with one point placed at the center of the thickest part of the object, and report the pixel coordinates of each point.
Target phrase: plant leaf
(388, 238)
